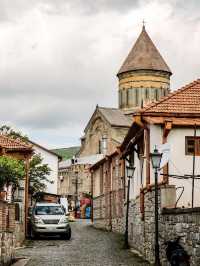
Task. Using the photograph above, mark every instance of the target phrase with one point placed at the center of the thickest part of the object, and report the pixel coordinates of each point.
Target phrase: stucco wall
(52, 161)
(179, 163)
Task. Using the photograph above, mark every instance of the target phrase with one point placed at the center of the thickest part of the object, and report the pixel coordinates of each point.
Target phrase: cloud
(58, 59)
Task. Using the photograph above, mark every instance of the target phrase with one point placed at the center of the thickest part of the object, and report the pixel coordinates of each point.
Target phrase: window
(192, 143)
(99, 150)
(136, 97)
(17, 212)
(147, 93)
(120, 99)
(103, 145)
(49, 210)
(101, 179)
(156, 94)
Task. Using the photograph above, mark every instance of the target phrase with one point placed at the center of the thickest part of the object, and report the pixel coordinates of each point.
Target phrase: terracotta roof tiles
(184, 100)
(13, 144)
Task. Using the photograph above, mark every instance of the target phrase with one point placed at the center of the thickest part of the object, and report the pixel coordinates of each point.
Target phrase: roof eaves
(170, 95)
(43, 148)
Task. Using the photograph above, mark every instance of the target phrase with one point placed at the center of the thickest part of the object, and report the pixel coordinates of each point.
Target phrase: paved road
(88, 247)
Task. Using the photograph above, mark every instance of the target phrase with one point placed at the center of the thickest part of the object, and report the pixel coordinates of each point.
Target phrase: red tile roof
(184, 101)
(13, 144)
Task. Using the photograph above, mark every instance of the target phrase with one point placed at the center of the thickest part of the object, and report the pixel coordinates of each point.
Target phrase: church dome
(144, 76)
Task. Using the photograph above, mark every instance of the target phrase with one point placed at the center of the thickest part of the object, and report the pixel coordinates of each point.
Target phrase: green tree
(38, 174)
(11, 172)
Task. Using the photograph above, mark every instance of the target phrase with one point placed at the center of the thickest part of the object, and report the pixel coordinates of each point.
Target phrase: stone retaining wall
(172, 223)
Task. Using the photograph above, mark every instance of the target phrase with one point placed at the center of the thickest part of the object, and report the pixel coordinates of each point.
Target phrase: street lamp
(130, 172)
(155, 160)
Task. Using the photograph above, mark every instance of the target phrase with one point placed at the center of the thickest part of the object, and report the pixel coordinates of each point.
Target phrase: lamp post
(76, 193)
(130, 171)
(156, 159)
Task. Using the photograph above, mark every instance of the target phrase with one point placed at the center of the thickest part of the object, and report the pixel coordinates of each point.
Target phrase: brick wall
(7, 236)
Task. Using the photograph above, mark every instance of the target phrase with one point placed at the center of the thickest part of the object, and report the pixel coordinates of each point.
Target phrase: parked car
(49, 219)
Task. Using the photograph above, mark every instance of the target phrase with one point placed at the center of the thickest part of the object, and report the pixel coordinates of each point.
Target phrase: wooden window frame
(189, 146)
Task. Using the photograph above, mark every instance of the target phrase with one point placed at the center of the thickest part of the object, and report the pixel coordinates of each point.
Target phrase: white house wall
(181, 164)
(156, 133)
(52, 161)
(135, 184)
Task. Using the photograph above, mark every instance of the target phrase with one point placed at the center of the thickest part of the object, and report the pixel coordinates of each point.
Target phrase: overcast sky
(59, 58)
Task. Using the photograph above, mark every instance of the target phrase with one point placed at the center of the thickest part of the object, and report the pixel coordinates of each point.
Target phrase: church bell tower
(144, 76)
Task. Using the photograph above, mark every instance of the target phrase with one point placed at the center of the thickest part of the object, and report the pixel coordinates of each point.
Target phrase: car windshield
(49, 210)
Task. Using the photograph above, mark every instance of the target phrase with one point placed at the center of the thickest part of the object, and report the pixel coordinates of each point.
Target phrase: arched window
(127, 97)
(120, 98)
(136, 97)
(146, 93)
(156, 94)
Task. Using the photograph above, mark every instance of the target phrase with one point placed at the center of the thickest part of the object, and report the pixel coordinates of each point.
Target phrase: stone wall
(106, 217)
(185, 223)
(172, 223)
(7, 243)
(7, 236)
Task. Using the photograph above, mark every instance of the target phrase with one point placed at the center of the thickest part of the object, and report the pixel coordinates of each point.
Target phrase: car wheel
(34, 235)
(69, 234)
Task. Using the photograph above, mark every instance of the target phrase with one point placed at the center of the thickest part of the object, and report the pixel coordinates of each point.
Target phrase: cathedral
(144, 77)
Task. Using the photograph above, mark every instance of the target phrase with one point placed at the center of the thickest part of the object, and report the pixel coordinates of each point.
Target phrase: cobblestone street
(88, 247)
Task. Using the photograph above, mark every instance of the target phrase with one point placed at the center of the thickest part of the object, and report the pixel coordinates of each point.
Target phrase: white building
(52, 159)
(171, 120)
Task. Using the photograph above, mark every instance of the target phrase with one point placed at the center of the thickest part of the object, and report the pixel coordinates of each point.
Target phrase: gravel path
(88, 247)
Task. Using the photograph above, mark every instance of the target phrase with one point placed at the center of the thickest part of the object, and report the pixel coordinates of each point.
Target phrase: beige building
(104, 132)
(143, 77)
(74, 176)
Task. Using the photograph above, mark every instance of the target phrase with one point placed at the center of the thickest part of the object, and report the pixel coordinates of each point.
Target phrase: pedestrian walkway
(88, 247)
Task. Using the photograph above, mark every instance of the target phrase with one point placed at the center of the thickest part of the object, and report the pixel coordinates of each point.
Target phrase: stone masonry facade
(106, 217)
(7, 236)
(172, 223)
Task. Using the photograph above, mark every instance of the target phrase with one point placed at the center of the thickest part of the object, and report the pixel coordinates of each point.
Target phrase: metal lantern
(130, 171)
(156, 158)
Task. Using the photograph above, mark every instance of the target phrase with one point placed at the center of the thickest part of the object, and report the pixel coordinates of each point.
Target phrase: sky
(59, 58)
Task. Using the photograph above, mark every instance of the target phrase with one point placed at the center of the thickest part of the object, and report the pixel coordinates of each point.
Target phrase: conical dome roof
(144, 56)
